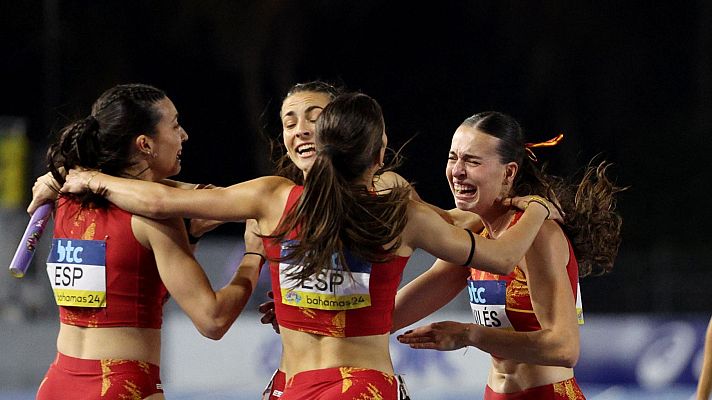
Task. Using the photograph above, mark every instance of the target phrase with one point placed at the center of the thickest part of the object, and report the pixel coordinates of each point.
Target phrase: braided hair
(103, 139)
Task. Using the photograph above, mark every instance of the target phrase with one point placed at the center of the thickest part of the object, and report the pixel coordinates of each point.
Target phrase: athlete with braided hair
(300, 109)
(335, 229)
(112, 271)
(526, 319)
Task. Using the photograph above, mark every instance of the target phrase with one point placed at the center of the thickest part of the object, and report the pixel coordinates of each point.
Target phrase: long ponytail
(335, 214)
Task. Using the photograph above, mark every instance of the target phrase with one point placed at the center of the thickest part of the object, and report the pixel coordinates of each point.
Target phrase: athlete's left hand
(45, 190)
(444, 336)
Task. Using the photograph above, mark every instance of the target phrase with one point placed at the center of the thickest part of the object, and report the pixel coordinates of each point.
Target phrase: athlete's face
(477, 178)
(299, 113)
(167, 143)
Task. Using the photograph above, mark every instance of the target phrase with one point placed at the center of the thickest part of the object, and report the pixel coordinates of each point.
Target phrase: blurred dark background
(627, 80)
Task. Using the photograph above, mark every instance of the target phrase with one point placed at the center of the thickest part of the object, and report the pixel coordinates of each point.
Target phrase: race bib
(332, 289)
(77, 272)
(488, 302)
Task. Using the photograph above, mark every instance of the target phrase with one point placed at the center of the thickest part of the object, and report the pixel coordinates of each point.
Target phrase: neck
(497, 221)
(142, 171)
(366, 180)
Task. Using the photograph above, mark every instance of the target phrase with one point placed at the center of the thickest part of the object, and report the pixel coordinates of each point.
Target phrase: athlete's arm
(428, 293)
(212, 312)
(466, 219)
(238, 202)
(182, 185)
(427, 231)
(557, 343)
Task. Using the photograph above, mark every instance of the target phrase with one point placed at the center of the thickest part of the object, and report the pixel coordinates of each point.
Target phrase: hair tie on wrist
(256, 254)
(472, 248)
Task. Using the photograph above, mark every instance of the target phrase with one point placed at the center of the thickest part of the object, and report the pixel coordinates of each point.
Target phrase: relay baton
(33, 233)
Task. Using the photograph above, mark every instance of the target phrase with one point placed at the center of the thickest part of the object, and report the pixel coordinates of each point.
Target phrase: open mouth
(178, 156)
(464, 190)
(306, 150)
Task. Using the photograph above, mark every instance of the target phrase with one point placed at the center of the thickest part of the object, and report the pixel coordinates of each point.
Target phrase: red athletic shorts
(275, 387)
(79, 379)
(341, 383)
(564, 390)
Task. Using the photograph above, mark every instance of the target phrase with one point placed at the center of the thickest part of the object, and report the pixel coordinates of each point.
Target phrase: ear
(510, 171)
(381, 156)
(382, 153)
(144, 144)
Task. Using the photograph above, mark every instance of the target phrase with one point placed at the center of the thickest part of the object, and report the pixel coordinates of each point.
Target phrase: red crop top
(504, 301)
(101, 275)
(335, 303)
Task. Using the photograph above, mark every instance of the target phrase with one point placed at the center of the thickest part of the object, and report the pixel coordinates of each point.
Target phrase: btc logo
(68, 253)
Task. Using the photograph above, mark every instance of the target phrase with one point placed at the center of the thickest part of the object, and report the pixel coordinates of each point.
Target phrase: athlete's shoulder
(389, 179)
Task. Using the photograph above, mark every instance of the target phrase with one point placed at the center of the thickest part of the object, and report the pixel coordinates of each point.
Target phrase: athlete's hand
(444, 336)
(269, 317)
(78, 180)
(45, 190)
(522, 202)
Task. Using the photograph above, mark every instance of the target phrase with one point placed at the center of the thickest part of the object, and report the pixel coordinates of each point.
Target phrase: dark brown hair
(335, 214)
(591, 222)
(103, 140)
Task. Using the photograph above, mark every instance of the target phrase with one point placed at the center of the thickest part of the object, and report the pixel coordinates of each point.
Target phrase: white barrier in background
(246, 357)
(624, 357)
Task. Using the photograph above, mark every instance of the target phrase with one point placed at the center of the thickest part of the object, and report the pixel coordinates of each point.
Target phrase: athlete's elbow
(214, 330)
(567, 354)
(569, 359)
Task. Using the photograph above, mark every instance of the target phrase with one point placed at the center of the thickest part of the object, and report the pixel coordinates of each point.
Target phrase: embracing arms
(557, 343)
(238, 202)
(426, 230)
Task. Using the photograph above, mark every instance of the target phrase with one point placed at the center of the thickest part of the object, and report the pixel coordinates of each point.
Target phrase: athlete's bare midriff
(508, 376)
(306, 351)
(122, 343)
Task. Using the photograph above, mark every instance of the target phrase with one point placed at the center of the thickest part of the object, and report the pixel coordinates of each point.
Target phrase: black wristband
(472, 248)
(191, 239)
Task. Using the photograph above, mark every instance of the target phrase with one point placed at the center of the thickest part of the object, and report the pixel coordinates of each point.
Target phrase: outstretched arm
(427, 231)
(235, 203)
(428, 293)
